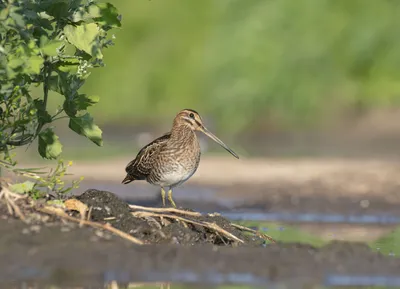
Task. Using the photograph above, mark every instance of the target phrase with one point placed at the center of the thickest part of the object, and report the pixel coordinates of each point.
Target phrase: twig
(140, 285)
(165, 210)
(10, 198)
(76, 205)
(89, 214)
(223, 241)
(262, 235)
(211, 226)
(107, 227)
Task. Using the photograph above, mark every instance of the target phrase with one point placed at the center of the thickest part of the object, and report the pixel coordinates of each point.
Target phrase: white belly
(176, 177)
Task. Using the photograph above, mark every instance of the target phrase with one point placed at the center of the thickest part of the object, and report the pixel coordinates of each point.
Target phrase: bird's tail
(128, 179)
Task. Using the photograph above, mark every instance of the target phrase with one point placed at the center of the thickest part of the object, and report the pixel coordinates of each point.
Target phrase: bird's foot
(163, 196)
(170, 198)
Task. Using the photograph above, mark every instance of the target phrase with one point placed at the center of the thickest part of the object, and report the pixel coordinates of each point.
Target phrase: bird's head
(193, 120)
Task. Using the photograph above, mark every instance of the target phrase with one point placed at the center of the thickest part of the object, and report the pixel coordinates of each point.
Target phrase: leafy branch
(42, 183)
(53, 44)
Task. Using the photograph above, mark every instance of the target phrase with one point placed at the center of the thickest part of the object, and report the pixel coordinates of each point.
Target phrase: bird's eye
(191, 115)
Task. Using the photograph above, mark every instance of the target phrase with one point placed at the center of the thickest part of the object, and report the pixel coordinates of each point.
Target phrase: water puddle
(312, 218)
(193, 280)
(362, 281)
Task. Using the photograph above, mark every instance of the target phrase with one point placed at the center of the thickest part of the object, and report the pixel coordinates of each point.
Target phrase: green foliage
(44, 182)
(50, 44)
(49, 145)
(23, 188)
(85, 126)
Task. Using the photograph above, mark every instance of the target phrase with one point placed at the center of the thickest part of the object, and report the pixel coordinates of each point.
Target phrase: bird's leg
(170, 198)
(163, 196)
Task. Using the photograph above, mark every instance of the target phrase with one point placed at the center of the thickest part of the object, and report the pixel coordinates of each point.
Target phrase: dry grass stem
(262, 235)
(10, 198)
(76, 205)
(89, 215)
(108, 227)
(165, 210)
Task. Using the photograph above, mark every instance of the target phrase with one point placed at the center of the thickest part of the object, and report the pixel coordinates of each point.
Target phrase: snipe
(173, 158)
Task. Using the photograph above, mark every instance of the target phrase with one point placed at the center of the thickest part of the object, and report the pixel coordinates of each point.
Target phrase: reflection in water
(330, 281)
(158, 285)
(191, 277)
(311, 218)
(215, 280)
(349, 280)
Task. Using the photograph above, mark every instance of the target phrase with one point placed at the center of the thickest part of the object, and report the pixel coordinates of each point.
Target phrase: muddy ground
(55, 251)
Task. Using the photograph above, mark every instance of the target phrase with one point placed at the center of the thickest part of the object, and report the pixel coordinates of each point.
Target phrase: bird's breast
(176, 175)
(178, 169)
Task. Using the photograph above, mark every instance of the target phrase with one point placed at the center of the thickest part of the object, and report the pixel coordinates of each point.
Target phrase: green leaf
(45, 23)
(49, 145)
(41, 112)
(15, 62)
(70, 107)
(83, 101)
(56, 203)
(84, 37)
(78, 103)
(34, 64)
(38, 171)
(65, 84)
(84, 125)
(68, 66)
(50, 48)
(29, 64)
(22, 188)
(57, 8)
(18, 19)
(4, 14)
(105, 14)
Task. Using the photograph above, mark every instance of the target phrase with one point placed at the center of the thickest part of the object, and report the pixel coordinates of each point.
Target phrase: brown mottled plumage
(173, 158)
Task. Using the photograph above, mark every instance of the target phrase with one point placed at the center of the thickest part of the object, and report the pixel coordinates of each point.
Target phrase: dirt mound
(166, 226)
(106, 207)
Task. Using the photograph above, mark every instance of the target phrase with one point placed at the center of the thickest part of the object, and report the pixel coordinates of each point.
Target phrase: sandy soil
(357, 174)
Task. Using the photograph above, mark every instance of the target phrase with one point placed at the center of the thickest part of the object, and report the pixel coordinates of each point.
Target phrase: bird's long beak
(217, 140)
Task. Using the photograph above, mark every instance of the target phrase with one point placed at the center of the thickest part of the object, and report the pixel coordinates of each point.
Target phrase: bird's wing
(141, 166)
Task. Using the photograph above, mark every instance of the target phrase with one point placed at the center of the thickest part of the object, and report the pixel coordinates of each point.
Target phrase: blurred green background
(251, 67)
(250, 62)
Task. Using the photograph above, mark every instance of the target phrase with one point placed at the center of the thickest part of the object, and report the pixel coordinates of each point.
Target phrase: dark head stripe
(191, 110)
